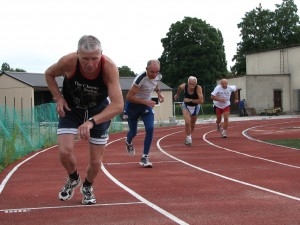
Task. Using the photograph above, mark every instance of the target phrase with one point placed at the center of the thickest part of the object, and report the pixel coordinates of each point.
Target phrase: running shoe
(67, 192)
(145, 162)
(130, 149)
(88, 196)
(188, 141)
(224, 134)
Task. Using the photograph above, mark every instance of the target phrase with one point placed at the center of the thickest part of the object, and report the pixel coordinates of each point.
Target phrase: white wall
(278, 62)
(164, 110)
(15, 94)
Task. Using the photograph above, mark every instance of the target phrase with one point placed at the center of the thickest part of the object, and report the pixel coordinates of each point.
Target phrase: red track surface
(237, 180)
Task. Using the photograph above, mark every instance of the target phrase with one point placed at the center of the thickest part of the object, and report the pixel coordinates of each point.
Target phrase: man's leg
(226, 121)
(148, 120)
(187, 121)
(193, 122)
(68, 160)
(96, 156)
(132, 131)
(219, 113)
(66, 154)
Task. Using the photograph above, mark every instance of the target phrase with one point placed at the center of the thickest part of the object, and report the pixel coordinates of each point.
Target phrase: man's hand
(150, 103)
(175, 97)
(61, 105)
(84, 130)
(161, 98)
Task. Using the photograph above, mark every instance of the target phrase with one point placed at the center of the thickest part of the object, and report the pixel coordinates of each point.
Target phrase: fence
(26, 131)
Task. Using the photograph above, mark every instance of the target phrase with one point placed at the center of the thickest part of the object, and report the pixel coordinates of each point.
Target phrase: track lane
(192, 195)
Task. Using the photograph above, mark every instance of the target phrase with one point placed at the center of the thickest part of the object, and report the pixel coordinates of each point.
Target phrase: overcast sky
(35, 34)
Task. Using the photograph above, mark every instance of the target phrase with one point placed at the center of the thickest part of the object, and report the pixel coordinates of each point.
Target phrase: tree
(125, 71)
(5, 67)
(287, 28)
(263, 29)
(192, 47)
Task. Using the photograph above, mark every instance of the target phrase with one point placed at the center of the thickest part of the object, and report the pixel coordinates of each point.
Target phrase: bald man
(140, 105)
(221, 99)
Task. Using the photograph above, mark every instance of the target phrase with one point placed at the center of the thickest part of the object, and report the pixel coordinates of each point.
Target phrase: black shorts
(77, 116)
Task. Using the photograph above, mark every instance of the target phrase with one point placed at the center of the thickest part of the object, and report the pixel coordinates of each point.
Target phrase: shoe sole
(65, 199)
(146, 166)
(131, 153)
(87, 202)
(188, 144)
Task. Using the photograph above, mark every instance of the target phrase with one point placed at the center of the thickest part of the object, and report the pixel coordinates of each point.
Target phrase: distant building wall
(275, 62)
(164, 110)
(15, 94)
(260, 91)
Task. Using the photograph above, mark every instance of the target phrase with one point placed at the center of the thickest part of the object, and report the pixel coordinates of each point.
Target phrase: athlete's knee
(188, 123)
(95, 165)
(65, 152)
(149, 129)
(132, 134)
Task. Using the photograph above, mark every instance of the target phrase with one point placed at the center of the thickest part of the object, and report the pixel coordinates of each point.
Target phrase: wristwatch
(92, 120)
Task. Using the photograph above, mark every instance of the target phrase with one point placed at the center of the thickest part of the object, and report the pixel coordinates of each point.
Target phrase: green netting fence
(25, 131)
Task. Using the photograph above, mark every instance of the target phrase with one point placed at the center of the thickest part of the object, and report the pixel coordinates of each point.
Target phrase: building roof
(37, 80)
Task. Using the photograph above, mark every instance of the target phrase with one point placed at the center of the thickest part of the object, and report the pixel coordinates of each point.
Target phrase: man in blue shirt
(140, 105)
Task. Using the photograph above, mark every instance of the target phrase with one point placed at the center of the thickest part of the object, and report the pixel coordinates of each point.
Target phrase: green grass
(293, 143)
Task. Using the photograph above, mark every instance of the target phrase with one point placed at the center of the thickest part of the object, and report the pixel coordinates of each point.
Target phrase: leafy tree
(6, 67)
(192, 47)
(263, 29)
(19, 70)
(287, 28)
(125, 71)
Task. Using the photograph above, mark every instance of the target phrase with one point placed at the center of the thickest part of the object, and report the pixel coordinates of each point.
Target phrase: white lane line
(3, 183)
(139, 197)
(143, 200)
(245, 133)
(247, 155)
(26, 210)
(222, 176)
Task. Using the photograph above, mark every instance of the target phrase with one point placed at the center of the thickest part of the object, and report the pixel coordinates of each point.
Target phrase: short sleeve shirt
(220, 92)
(146, 85)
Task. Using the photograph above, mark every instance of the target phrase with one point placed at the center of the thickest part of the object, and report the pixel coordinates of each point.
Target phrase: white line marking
(3, 183)
(247, 155)
(143, 200)
(24, 210)
(139, 197)
(253, 139)
(224, 177)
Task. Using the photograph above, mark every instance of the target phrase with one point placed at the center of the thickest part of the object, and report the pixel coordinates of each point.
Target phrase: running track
(239, 180)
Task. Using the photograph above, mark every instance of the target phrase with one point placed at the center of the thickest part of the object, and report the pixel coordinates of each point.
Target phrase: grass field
(293, 143)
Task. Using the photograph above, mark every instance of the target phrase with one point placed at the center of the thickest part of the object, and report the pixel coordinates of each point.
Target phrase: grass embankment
(293, 143)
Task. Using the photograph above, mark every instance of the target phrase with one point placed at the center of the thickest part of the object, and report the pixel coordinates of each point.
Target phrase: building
(22, 90)
(272, 80)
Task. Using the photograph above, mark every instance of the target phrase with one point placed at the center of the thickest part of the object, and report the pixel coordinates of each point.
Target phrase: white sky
(35, 34)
